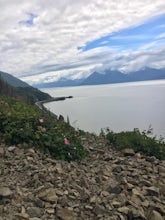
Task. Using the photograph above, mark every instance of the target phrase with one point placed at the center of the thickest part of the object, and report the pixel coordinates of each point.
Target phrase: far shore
(40, 104)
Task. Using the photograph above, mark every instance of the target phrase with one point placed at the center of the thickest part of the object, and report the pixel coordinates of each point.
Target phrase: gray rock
(154, 215)
(48, 195)
(128, 152)
(5, 192)
(117, 169)
(21, 216)
(124, 210)
(153, 191)
(39, 203)
(65, 214)
(2, 151)
(34, 212)
(162, 190)
(35, 219)
(11, 148)
(116, 189)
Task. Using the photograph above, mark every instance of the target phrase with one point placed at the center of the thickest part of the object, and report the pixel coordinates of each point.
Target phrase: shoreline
(40, 104)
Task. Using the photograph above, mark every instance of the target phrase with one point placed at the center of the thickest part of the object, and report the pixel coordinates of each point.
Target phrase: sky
(44, 40)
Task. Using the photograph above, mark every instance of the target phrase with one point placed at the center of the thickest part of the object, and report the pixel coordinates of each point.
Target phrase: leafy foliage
(139, 141)
(24, 124)
(31, 95)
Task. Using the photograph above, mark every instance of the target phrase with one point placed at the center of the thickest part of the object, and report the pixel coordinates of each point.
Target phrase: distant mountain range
(118, 77)
(109, 77)
(63, 82)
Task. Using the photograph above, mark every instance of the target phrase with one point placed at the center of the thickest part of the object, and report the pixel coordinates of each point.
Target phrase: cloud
(40, 39)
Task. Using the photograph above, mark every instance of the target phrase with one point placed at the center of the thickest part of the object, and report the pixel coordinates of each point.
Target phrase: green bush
(139, 141)
(24, 124)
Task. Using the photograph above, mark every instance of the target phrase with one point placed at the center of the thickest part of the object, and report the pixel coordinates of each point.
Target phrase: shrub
(139, 141)
(24, 124)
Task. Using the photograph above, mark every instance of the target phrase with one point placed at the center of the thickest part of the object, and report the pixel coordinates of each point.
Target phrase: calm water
(119, 106)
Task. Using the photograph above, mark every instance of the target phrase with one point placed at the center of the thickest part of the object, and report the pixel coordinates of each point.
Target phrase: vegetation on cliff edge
(138, 141)
(24, 124)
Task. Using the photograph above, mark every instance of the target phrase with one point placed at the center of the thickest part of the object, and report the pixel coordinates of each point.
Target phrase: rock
(35, 218)
(99, 210)
(153, 191)
(5, 192)
(116, 204)
(105, 193)
(50, 210)
(88, 207)
(59, 192)
(30, 151)
(114, 188)
(58, 168)
(145, 203)
(128, 152)
(151, 159)
(34, 212)
(65, 214)
(137, 192)
(48, 195)
(11, 148)
(117, 169)
(123, 209)
(154, 215)
(39, 203)
(162, 190)
(121, 217)
(93, 199)
(2, 151)
(146, 183)
(161, 170)
(137, 213)
(21, 216)
(136, 201)
(105, 185)
(138, 155)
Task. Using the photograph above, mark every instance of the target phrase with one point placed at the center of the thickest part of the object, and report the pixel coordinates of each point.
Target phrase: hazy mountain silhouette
(109, 77)
(118, 77)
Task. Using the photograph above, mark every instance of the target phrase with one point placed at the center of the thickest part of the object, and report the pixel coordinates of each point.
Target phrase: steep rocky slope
(107, 185)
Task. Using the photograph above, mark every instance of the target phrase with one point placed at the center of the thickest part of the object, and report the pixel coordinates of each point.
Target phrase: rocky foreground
(107, 185)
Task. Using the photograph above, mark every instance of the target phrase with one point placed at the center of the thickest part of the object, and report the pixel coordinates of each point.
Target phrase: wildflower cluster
(20, 123)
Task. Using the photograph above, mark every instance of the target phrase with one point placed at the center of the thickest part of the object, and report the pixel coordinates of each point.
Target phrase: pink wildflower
(66, 142)
(41, 120)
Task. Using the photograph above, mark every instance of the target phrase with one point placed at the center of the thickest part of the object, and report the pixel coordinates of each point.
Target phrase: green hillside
(13, 81)
(25, 125)
(13, 87)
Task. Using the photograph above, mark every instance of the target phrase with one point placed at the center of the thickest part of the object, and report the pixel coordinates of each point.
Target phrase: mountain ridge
(13, 87)
(117, 77)
(13, 81)
(109, 77)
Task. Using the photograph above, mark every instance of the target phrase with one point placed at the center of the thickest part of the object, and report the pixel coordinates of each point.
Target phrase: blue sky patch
(30, 20)
(132, 38)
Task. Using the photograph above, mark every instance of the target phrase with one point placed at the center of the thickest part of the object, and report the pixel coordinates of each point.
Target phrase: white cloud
(60, 27)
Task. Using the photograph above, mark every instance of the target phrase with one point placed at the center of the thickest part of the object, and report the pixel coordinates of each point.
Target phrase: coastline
(40, 104)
